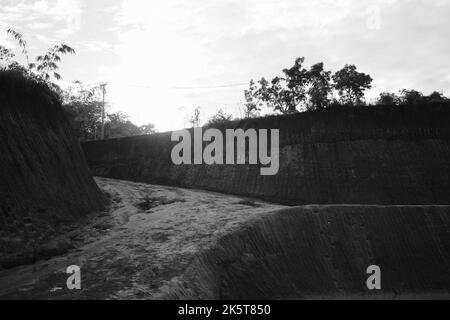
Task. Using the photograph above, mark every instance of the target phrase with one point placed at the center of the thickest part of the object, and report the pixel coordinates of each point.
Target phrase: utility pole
(103, 87)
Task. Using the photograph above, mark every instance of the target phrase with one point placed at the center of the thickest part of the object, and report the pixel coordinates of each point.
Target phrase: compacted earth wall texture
(367, 155)
(324, 251)
(45, 180)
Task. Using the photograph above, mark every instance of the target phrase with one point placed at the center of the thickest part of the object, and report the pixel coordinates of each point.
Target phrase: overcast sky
(163, 58)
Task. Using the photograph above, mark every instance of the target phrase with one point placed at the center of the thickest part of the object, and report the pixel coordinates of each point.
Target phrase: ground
(139, 247)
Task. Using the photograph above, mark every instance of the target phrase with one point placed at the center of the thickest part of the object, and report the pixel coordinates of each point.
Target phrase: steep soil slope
(161, 242)
(324, 251)
(45, 182)
(370, 155)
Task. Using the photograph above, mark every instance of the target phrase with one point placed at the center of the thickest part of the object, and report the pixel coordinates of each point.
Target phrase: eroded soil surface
(139, 247)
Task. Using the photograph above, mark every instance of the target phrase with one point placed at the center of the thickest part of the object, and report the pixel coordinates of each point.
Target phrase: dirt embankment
(140, 248)
(161, 242)
(373, 155)
(45, 181)
(324, 251)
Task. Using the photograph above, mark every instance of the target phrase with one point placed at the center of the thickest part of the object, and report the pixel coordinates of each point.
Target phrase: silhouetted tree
(119, 125)
(389, 99)
(410, 96)
(296, 79)
(320, 87)
(220, 117)
(284, 94)
(351, 84)
(252, 102)
(436, 97)
(6, 57)
(22, 45)
(46, 65)
(83, 108)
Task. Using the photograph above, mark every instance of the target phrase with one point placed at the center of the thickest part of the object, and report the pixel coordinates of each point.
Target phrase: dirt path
(140, 246)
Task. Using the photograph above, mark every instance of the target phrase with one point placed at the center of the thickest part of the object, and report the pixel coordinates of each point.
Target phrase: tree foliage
(83, 107)
(286, 93)
(252, 105)
(22, 45)
(311, 89)
(219, 117)
(388, 99)
(320, 87)
(6, 56)
(84, 110)
(351, 84)
(45, 66)
(408, 97)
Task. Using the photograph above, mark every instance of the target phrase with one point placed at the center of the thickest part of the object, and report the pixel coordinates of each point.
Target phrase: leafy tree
(6, 57)
(46, 66)
(83, 108)
(436, 97)
(284, 94)
(22, 45)
(47, 63)
(296, 79)
(388, 99)
(320, 87)
(411, 96)
(351, 84)
(220, 117)
(119, 125)
(252, 104)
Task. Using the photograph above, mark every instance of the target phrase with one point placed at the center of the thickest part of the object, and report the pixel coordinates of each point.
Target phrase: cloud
(95, 46)
(145, 48)
(40, 25)
(42, 14)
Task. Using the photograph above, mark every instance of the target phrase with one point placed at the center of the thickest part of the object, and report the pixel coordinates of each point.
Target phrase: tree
(296, 79)
(119, 125)
(194, 120)
(46, 66)
(436, 97)
(410, 96)
(6, 57)
(388, 99)
(147, 129)
(47, 63)
(320, 87)
(22, 45)
(218, 118)
(351, 84)
(83, 108)
(252, 104)
(284, 94)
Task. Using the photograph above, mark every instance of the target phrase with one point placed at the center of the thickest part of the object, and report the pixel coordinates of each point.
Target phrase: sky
(162, 59)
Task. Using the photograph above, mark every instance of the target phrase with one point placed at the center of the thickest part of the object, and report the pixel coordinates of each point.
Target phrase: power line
(214, 87)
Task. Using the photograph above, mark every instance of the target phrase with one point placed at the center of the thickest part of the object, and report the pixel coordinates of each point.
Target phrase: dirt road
(139, 248)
